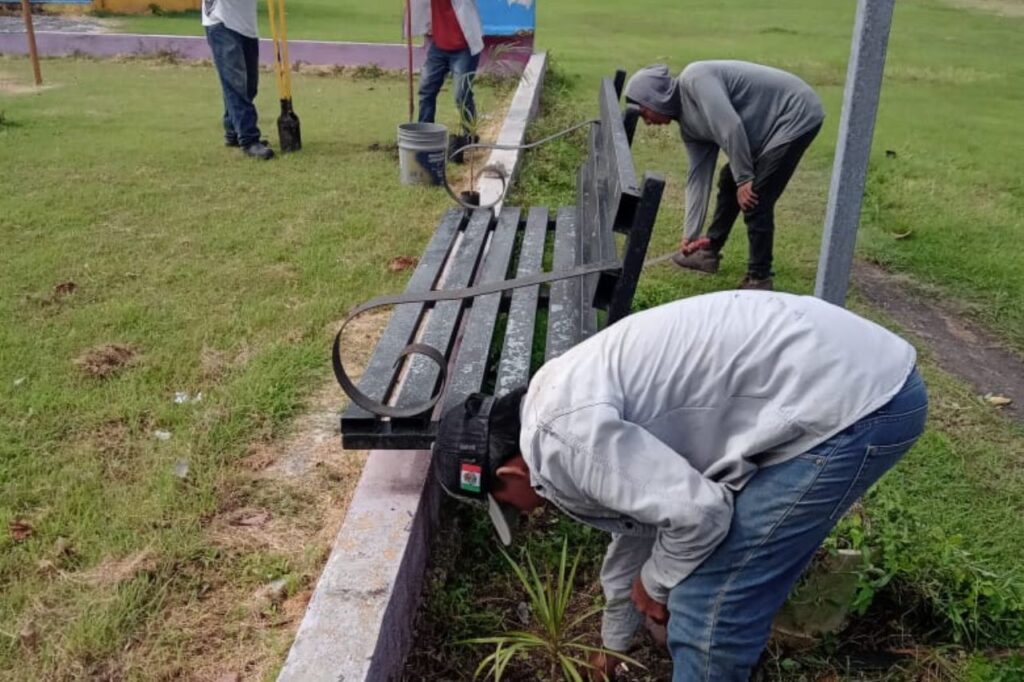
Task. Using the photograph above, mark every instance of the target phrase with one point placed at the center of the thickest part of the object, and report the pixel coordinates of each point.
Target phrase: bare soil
(961, 347)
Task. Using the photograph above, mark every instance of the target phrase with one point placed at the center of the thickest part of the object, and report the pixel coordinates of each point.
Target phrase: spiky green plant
(556, 646)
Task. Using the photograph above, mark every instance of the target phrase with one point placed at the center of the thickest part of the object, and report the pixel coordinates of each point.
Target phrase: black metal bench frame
(489, 341)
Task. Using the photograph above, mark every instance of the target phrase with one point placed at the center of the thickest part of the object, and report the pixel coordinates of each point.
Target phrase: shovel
(288, 131)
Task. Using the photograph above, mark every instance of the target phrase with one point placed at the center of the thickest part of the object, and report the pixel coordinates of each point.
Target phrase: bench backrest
(610, 199)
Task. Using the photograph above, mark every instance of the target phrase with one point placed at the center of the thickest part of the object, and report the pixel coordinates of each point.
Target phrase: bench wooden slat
(564, 328)
(439, 328)
(380, 373)
(517, 349)
(469, 372)
(617, 160)
(588, 220)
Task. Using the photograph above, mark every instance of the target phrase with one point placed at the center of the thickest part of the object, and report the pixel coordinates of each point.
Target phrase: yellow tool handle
(275, 37)
(287, 65)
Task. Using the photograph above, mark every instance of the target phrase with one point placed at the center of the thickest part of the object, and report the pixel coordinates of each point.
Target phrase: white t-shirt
(238, 15)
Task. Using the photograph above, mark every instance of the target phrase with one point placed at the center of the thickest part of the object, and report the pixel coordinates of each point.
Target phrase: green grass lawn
(952, 98)
(224, 276)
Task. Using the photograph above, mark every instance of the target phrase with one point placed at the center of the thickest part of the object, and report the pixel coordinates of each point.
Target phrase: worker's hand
(688, 247)
(646, 605)
(602, 668)
(659, 633)
(745, 195)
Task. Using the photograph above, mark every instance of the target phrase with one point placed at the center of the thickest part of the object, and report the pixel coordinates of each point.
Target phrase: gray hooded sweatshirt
(649, 428)
(745, 109)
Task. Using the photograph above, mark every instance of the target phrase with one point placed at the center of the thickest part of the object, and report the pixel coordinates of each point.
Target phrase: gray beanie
(654, 87)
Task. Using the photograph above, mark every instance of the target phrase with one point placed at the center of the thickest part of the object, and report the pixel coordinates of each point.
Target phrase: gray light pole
(853, 148)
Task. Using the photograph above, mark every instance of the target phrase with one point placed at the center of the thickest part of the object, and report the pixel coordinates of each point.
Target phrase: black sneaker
(258, 150)
(701, 260)
(233, 142)
(762, 283)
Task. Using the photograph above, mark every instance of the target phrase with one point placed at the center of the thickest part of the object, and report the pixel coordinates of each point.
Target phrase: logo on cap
(469, 479)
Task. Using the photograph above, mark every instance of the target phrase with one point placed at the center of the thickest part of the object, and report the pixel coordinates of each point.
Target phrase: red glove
(688, 247)
(646, 604)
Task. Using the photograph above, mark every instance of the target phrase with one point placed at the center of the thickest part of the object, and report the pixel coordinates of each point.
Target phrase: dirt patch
(103, 361)
(959, 346)
(14, 85)
(1002, 8)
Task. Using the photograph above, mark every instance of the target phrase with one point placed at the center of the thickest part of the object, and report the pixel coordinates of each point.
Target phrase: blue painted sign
(508, 17)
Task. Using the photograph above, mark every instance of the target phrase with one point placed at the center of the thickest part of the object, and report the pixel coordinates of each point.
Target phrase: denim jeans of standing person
(237, 58)
(772, 171)
(462, 65)
(721, 615)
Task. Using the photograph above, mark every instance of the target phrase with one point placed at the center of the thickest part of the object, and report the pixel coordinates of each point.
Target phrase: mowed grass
(948, 207)
(222, 276)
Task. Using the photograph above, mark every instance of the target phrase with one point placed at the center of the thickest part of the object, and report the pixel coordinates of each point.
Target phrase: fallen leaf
(47, 567)
(997, 400)
(250, 519)
(29, 636)
(64, 289)
(20, 530)
(402, 263)
(62, 547)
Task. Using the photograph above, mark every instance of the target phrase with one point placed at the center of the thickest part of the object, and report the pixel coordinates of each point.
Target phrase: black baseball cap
(466, 466)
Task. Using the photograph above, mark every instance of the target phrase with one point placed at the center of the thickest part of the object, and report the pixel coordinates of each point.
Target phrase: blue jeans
(721, 615)
(462, 66)
(237, 59)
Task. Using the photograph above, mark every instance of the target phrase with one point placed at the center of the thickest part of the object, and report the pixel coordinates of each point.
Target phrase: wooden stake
(27, 14)
(409, 40)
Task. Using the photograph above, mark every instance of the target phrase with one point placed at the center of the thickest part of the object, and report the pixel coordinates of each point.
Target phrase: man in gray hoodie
(718, 439)
(763, 118)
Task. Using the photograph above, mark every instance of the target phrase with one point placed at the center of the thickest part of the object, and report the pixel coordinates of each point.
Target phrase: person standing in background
(234, 41)
(455, 41)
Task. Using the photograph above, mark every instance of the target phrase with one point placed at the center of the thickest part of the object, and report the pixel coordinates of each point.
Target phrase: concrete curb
(513, 131)
(358, 626)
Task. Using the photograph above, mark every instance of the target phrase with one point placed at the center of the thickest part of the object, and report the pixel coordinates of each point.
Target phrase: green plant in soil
(556, 649)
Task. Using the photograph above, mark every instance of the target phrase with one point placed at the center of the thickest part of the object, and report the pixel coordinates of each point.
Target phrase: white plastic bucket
(421, 153)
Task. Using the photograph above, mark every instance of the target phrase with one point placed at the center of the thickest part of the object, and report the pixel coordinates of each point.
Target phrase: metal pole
(853, 148)
(26, 13)
(408, 38)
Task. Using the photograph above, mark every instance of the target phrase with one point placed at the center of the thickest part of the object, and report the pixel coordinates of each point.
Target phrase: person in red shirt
(455, 43)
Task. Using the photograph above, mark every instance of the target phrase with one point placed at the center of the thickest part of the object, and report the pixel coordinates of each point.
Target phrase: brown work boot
(750, 282)
(701, 260)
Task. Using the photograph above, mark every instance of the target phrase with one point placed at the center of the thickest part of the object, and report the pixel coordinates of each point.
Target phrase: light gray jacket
(647, 429)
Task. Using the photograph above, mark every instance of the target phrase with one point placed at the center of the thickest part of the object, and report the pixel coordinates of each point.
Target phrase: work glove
(603, 668)
(687, 247)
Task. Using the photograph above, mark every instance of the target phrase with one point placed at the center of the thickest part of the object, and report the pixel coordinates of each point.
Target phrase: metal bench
(492, 343)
